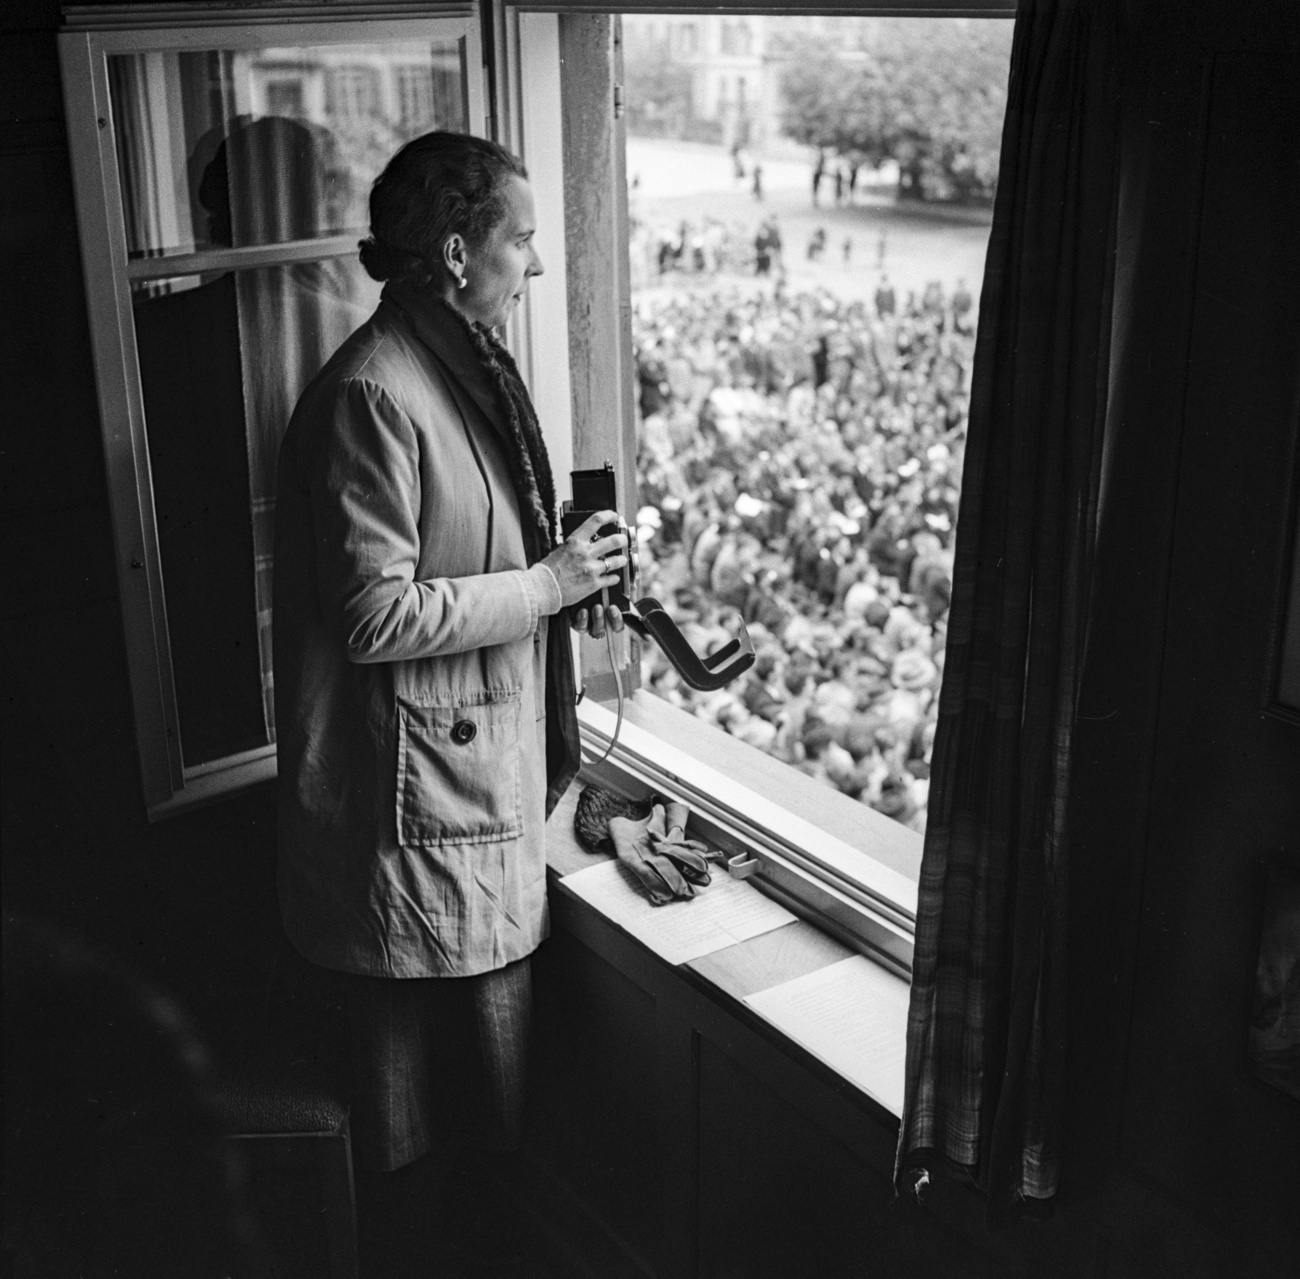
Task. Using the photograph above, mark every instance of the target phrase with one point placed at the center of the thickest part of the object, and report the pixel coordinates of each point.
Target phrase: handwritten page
(726, 912)
(851, 1014)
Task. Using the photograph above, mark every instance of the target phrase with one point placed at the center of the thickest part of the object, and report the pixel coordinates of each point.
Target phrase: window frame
(851, 871)
(90, 36)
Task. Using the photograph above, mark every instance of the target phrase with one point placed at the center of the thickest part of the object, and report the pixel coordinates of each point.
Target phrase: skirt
(437, 1061)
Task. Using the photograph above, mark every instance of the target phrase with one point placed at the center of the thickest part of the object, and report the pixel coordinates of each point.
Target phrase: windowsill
(728, 975)
(653, 753)
(850, 870)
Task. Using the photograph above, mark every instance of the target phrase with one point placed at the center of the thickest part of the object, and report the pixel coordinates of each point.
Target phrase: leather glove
(668, 865)
(674, 844)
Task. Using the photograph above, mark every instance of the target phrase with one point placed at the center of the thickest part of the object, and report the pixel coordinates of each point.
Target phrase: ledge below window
(728, 976)
(849, 870)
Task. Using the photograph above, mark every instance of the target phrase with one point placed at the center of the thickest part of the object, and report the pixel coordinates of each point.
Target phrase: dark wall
(1225, 782)
(1186, 787)
(190, 897)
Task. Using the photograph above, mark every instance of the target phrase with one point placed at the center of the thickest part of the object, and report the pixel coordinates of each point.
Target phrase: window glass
(219, 151)
(804, 256)
(194, 176)
(223, 359)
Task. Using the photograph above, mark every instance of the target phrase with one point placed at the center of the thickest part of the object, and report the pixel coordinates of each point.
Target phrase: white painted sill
(844, 867)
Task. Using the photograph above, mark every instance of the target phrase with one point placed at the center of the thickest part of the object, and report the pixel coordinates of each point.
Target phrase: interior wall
(1225, 793)
(1185, 786)
(190, 898)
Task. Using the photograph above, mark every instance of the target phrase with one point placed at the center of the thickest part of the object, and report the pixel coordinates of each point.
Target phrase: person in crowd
(424, 687)
(886, 300)
(962, 303)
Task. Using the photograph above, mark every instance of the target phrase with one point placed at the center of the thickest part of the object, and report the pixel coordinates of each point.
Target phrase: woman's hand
(585, 564)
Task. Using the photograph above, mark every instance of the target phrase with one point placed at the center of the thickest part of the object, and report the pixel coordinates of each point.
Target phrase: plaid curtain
(986, 1027)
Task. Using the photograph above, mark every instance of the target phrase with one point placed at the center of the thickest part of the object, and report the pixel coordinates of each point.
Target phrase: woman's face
(498, 270)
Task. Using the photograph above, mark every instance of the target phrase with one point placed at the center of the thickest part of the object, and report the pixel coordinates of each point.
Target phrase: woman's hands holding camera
(584, 564)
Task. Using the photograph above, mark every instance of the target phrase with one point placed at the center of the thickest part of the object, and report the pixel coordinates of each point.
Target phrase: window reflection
(172, 110)
(222, 362)
(220, 151)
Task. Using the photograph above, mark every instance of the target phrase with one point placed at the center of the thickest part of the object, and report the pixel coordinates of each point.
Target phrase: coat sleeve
(364, 482)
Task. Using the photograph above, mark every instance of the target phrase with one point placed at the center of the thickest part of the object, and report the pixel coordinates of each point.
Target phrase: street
(912, 243)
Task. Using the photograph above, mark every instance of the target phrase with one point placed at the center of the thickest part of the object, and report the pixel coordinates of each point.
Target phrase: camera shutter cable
(618, 680)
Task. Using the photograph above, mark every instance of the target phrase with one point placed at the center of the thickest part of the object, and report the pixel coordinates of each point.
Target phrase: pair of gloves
(656, 850)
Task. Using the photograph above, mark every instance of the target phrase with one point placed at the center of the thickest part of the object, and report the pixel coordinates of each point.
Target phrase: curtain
(986, 1025)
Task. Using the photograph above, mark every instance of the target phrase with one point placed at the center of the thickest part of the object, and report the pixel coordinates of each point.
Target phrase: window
(843, 859)
(804, 354)
(221, 170)
(222, 173)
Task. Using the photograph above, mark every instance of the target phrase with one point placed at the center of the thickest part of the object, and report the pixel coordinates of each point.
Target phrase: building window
(223, 175)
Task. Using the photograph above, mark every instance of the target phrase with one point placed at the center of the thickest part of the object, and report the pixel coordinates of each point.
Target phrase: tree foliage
(658, 92)
(929, 94)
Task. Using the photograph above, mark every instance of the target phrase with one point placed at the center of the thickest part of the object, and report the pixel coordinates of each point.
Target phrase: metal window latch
(618, 102)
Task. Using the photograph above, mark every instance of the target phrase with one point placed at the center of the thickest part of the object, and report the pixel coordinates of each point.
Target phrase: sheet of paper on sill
(726, 912)
(851, 1014)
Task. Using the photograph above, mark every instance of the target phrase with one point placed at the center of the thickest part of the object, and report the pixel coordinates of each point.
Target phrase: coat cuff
(544, 595)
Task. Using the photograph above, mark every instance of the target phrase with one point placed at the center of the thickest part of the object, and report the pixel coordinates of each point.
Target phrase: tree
(927, 93)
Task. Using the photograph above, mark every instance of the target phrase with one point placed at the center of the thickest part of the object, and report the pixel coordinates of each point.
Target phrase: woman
(424, 702)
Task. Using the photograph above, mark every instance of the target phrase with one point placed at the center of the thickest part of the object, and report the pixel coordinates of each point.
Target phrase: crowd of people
(710, 246)
(800, 464)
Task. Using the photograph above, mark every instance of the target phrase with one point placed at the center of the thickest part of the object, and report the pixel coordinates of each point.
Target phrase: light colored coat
(411, 665)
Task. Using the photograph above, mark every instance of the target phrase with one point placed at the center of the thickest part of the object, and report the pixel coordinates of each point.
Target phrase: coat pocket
(458, 769)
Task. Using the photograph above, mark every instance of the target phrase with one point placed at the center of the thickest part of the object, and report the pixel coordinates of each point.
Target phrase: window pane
(220, 147)
(223, 359)
(810, 204)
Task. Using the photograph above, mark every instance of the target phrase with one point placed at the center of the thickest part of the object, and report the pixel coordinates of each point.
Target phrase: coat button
(463, 731)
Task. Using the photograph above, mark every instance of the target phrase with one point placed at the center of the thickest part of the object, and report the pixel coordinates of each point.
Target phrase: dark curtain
(986, 1027)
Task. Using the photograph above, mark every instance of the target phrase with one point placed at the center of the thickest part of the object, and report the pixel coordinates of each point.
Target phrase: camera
(595, 490)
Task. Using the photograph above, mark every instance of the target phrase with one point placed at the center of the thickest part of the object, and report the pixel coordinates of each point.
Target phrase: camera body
(595, 490)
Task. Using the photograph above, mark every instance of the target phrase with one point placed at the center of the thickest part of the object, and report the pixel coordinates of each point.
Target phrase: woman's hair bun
(438, 185)
(383, 261)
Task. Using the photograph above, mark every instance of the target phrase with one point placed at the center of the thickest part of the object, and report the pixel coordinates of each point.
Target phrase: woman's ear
(453, 255)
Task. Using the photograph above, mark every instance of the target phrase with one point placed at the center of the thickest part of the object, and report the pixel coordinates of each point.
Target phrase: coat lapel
(445, 338)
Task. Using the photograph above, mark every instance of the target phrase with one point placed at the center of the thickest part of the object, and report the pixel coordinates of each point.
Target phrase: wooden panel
(780, 1197)
(596, 1070)
(1225, 792)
